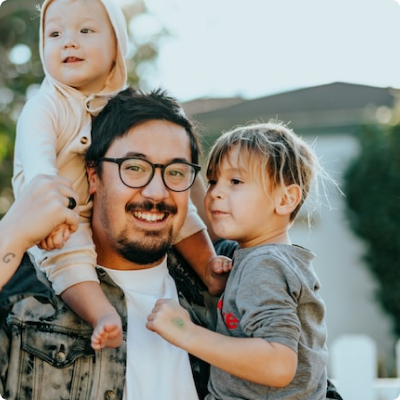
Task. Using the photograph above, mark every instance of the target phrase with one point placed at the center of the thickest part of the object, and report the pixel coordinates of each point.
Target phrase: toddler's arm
(252, 359)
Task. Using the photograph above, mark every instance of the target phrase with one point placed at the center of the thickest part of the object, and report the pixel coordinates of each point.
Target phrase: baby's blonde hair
(270, 150)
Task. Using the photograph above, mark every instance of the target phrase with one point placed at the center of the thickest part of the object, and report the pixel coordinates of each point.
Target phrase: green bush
(372, 188)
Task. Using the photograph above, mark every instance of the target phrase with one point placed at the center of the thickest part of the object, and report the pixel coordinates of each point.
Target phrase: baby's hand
(218, 271)
(56, 239)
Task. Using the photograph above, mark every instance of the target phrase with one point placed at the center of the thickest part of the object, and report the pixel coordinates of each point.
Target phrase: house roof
(325, 108)
(203, 105)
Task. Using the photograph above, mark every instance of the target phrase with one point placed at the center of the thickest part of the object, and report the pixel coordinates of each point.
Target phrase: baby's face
(79, 44)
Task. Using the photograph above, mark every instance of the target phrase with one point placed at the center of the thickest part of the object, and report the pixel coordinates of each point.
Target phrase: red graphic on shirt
(231, 321)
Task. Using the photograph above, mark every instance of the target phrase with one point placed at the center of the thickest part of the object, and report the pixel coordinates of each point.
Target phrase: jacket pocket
(54, 365)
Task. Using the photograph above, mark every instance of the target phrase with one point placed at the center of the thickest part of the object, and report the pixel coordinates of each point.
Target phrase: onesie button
(84, 140)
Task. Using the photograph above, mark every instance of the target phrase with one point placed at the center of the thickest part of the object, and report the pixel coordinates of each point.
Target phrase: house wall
(347, 287)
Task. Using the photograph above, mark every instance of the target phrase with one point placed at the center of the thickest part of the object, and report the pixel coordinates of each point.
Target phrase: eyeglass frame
(120, 160)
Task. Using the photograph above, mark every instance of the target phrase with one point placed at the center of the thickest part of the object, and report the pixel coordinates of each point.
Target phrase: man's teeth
(151, 217)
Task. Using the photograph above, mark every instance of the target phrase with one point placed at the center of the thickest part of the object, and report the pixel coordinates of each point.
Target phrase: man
(140, 167)
(141, 164)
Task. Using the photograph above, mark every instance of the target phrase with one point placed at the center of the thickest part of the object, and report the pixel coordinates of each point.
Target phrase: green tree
(372, 187)
(21, 69)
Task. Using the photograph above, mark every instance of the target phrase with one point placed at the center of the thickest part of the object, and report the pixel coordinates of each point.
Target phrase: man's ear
(92, 179)
(288, 199)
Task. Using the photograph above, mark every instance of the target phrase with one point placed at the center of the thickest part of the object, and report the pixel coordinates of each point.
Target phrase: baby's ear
(288, 199)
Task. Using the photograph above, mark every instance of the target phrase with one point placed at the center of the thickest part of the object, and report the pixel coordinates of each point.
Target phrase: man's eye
(136, 168)
(176, 174)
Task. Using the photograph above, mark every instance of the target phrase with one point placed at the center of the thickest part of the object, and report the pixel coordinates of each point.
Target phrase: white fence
(354, 370)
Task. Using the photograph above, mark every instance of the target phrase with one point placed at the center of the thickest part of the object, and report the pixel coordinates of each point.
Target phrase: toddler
(270, 339)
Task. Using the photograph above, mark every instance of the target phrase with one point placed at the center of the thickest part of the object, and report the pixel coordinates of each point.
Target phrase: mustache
(152, 206)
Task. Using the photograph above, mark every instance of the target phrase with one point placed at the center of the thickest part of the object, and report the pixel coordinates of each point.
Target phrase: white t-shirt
(156, 369)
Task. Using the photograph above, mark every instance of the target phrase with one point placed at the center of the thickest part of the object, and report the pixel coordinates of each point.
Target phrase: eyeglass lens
(137, 173)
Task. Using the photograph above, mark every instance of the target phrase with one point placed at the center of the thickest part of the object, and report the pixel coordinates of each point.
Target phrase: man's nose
(156, 188)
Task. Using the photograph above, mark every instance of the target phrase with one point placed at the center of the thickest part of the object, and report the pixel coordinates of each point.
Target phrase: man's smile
(150, 217)
(151, 212)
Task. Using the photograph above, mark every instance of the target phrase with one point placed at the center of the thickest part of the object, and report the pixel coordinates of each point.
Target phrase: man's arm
(199, 253)
(40, 208)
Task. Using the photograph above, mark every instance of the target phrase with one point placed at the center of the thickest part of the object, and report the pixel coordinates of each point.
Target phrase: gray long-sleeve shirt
(273, 293)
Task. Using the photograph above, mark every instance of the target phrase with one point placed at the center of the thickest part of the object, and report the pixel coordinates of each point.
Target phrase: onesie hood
(116, 81)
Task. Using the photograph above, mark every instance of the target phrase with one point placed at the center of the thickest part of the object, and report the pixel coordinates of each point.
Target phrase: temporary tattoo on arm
(178, 322)
(8, 257)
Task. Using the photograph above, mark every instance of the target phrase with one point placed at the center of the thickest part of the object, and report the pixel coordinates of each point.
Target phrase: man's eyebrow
(180, 160)
(141, 155)
(133, 154)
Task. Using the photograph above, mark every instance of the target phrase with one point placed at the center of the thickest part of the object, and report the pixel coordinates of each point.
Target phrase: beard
(149, 247)
(148, 250)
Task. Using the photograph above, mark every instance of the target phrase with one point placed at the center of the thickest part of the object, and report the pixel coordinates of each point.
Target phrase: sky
(254, 48)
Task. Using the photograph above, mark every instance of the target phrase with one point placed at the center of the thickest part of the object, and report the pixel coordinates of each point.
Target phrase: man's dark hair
(129, 108)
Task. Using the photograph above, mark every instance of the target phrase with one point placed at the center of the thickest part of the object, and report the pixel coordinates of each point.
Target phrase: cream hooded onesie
(53, 134)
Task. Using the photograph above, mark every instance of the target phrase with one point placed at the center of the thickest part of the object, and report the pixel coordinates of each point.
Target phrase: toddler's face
(79, 44)
(237, 205)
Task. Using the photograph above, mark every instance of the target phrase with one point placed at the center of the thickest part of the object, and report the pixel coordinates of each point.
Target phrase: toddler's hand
(170, 320)
(220, 265)
(218, 269)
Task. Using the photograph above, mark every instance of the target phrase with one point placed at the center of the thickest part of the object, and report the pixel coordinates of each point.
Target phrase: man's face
(138, 225)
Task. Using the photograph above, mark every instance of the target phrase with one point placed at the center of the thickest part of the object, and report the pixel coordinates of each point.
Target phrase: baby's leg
(90, 303)
(107, 332)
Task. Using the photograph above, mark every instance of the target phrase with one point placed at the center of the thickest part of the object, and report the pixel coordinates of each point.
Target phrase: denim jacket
(45, 351)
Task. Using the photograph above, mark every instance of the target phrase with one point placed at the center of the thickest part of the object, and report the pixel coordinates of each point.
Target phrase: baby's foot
(107, 332)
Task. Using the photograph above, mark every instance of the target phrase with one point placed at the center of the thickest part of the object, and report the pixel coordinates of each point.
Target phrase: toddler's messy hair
(273, 150)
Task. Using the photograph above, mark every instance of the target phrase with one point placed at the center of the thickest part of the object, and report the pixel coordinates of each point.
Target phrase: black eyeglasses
(136, 173)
